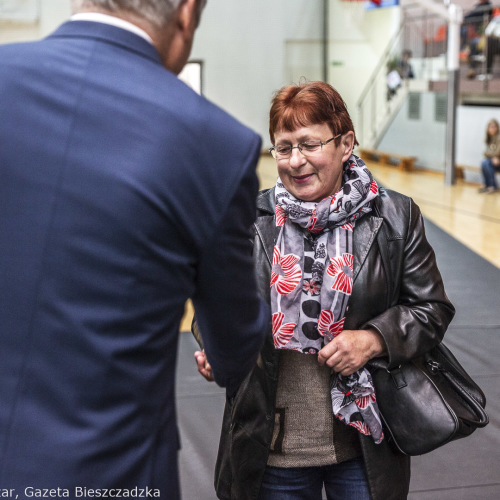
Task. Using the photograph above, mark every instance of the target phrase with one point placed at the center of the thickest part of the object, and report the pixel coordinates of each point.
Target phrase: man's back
(115, 179)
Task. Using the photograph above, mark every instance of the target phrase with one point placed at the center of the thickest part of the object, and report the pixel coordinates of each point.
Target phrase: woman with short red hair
(349, 276)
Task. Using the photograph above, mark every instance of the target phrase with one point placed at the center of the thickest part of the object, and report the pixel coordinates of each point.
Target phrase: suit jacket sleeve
(231, 316)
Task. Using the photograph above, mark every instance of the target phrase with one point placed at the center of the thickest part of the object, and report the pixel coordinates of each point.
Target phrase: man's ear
(347, 143)
(176, 46)
(188, 17)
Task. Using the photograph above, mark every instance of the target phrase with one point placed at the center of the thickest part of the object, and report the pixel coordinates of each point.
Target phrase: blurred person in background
(405, 68)
(490, 166)
(472, 33)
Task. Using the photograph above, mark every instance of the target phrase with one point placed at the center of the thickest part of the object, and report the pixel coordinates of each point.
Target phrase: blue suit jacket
(122, 193)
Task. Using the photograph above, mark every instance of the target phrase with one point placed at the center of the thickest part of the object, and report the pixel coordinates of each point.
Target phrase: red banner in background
(375, 3)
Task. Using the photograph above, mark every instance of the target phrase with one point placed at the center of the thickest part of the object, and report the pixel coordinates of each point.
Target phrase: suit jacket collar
(365, 230)
(108, 34)
(100, 17)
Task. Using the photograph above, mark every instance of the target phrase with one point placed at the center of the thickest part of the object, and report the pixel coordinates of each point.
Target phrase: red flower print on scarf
(312, 222)
(348, 226)
(364, 401)
(281, 333)
(280, 215)
(286, 273)
(327, 327)
(373, 187)
(341, 268)
(311, 226)
(361, 427)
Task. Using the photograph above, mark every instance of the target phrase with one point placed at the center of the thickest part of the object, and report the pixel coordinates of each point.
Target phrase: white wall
(54, 12)
(250, 49)
(246, 48)
(424, 138)
(51, 14)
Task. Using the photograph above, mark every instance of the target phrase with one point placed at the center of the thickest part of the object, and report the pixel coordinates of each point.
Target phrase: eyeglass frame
(273, 151)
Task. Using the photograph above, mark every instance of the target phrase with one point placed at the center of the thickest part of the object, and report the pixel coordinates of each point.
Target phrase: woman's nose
(297, 159)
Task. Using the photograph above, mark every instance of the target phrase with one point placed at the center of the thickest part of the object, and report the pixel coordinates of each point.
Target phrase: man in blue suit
(122, 194)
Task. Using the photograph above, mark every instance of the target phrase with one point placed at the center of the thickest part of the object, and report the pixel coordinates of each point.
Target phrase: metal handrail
(382, 63)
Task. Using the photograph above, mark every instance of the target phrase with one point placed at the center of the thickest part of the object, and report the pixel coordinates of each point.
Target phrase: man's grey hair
(157, 12)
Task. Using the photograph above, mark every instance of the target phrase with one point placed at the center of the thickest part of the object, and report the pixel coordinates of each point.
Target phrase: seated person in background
(491, 163)
(306, 418)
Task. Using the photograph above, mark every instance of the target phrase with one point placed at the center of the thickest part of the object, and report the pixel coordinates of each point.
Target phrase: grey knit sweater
(306, 433)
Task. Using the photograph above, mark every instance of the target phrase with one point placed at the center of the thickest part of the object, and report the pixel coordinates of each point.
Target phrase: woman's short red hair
(305, 104)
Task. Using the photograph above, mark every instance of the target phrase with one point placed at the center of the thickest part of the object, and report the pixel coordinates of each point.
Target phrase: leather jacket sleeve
(419, 311)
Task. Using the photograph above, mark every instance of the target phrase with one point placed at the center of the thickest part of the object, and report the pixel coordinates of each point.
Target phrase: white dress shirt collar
(115, 21)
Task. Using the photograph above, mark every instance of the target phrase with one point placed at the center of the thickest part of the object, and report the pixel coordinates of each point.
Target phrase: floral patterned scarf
(311, 281)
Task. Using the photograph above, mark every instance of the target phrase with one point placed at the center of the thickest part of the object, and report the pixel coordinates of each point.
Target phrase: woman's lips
(301, 179)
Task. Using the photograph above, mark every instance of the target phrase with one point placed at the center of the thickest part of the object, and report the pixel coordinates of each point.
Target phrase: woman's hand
(496, 161)
(203, 365)
(351, 350)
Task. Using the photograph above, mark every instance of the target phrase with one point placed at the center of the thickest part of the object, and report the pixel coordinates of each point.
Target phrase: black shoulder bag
(427, 402)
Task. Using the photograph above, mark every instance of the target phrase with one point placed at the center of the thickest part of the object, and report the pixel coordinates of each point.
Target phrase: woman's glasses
(306, 148)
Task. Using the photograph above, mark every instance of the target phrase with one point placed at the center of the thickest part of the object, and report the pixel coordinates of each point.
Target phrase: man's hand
(351, 350)
(203, 365)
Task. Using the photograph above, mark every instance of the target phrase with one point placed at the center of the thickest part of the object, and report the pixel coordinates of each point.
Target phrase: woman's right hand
(203, 365)
(351, 350)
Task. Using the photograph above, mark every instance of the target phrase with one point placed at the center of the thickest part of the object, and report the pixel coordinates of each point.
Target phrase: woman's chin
(308, 194)
(304, 195)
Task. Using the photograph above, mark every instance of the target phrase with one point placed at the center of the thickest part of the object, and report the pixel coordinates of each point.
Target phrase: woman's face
(492, 128)
(313, 176)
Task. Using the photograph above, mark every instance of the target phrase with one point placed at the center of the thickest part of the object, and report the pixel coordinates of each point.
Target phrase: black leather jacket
(397, 290)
